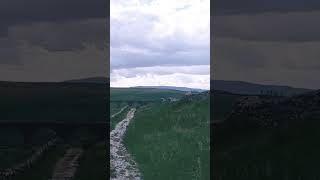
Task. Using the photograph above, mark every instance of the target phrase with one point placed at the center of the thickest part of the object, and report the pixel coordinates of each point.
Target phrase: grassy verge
(118, 118)
(93, 163)
(171, 141)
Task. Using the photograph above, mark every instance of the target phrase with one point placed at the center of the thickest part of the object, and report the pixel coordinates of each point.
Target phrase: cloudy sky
(53, 40)
(269, 42)
(160, 42)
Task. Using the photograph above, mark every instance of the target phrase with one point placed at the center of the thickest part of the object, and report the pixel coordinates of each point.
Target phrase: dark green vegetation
(15, 147)
(119, 117)
(42, 170)
(93, 163)
(223, 103)
(171, 140)
(53, 101)
(142, 94)
(28, 115)
(246, 88)
(265, 153)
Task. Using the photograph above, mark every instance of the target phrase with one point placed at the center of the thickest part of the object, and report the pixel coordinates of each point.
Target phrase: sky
(160, 43)
(269, 42)
(53, 40)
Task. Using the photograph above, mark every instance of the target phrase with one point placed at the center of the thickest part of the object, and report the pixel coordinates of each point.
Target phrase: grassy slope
(171, 141)
(267, 154)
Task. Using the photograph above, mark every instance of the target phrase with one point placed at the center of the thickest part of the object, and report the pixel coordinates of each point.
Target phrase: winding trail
(122, 109)
(122, 163)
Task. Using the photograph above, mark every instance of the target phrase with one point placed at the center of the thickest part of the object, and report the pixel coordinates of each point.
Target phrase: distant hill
(185, 89)
(100, 80)
(239, 87)
(143, 94)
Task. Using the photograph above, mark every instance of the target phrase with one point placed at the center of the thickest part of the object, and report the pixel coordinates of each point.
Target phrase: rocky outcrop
(197, 96)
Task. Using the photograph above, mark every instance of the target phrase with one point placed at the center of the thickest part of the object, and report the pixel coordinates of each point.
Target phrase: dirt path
(122, 164)
(66, 167)
(122, 109)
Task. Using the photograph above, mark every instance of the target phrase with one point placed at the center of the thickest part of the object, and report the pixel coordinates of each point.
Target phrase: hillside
(172, 88)
(265, 137)
(171, 140)
(245, 88)
(99, 80)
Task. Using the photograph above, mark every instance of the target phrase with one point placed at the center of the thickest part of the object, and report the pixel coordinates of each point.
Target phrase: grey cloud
(38, 64)
(21, 12)
(62, 36)
(223, 7)
(295, 26)
(163, 70)
(285, 63)
(122, 59)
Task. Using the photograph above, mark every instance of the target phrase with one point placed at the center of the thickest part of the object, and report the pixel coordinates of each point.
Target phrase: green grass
(42, 170)
(115, 120)
(53, 101)
(13, 149)
(171, 141)
(116, 107)
(93, 164)
(223, 104)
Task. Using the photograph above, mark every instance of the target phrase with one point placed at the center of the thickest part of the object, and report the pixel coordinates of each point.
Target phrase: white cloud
(158, 34)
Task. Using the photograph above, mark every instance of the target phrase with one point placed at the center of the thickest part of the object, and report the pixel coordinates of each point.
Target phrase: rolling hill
(245, 88)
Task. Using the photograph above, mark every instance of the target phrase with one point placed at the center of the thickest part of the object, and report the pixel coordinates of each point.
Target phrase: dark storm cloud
(63, 36)
(223, 7)
(53, 40)
(266, 41)
(282, 63)
(19, 11)
(293, 26)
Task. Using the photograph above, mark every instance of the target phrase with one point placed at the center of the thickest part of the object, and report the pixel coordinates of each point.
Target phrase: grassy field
(267, 153)
(93, 163)
(142, 94)
(116, 119)
(42, 170)
(53, 101)
(171, 140)
(116, 106)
